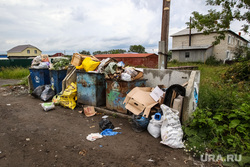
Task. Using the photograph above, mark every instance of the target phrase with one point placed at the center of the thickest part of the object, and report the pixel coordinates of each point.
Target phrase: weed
(13, 72)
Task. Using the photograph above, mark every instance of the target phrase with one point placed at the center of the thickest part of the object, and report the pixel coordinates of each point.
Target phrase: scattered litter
(89, 111)
(92, 127)
(150, 160)
(27, 139)
(93, 136)
(100, 146)
(8, 104)
(83, 152)
(105, 123)
(174, 158)
(0, 152)
(117, 128)
(80, 112)
(48, 106)
(109, 132)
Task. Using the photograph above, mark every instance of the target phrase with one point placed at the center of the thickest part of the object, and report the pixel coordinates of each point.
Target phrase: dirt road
(30, 136)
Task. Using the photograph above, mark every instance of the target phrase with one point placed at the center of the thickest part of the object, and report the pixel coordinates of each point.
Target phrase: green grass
(14, 72)
(220, 123)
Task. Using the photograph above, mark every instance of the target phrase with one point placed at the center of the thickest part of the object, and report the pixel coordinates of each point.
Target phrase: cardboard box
(138, 100)
(78, 58)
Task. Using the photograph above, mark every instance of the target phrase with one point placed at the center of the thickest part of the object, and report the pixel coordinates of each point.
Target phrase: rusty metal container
(116, 92)
(91, 88)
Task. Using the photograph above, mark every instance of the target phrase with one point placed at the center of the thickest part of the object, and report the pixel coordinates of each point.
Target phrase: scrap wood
(83, 152)
(185, 84)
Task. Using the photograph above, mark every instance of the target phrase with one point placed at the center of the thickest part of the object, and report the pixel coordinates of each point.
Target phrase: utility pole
(163, 44)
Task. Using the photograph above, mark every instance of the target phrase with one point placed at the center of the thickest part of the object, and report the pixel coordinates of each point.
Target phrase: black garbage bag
(38, 91)
(178, 89)
(48, 93)
(105, 123)
(139, 123)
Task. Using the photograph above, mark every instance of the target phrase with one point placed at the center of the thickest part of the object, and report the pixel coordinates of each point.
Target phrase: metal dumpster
(91, 88)
(116, 92)
(39, 77)
(56, 78)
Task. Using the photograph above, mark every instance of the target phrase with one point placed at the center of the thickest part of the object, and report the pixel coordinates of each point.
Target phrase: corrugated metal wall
(15, 63)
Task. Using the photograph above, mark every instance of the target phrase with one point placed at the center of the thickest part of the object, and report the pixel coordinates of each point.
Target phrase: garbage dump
(118, 87)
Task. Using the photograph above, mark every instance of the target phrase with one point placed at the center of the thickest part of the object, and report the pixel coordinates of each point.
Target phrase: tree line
(132, 48)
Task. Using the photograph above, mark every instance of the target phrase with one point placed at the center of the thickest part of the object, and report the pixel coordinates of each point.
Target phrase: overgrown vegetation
(221, 123)
(13, 72)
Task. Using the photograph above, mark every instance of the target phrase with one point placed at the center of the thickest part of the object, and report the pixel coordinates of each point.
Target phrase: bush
(212, 61)
(237, 72)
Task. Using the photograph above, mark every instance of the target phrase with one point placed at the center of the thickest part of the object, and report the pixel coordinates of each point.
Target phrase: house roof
(192, 48)
(195, 31)
(129, 55)
(20, 48)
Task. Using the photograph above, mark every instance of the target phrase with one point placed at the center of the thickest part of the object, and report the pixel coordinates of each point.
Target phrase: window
(229, 39)
(228, 55)
(28, 51)
(187, 54)
(35, 51)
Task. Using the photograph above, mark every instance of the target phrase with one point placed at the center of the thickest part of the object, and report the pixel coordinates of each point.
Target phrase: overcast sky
(75, 25)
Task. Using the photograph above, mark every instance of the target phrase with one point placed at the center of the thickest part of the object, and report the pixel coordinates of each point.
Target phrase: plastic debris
(109, 132)
(8, 104)
(89, 111)
(94, 136)
(48, 106)
(105, 123)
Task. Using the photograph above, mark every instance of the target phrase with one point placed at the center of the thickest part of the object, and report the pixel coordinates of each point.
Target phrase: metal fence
(15, 63)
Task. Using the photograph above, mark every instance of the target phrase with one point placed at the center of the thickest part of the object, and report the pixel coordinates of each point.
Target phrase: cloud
(77, 25)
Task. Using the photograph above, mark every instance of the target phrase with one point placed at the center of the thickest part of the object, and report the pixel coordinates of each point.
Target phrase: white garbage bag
(154, 127)
(171, 131)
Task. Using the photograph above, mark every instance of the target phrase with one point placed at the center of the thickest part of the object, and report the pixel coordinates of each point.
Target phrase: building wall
(25, 53)
(219, 51)
(195, 55)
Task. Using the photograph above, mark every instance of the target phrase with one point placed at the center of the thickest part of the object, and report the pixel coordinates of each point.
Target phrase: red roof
(130, 55)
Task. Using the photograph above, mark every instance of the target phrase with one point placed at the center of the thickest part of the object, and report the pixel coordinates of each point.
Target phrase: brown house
(149, 60)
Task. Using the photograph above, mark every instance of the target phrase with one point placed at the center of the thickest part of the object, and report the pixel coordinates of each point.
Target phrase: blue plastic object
(39, 77)
(109, 132)
(56, 78)
(158, 116)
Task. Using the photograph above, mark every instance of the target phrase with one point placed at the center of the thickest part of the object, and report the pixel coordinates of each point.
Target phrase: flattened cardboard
(139, 100)
(156, 94)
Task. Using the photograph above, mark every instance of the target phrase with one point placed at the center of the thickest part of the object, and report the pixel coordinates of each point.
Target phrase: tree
(219, 21)
(242, 53)
(84, 52)
(113, 51)
(137, 49)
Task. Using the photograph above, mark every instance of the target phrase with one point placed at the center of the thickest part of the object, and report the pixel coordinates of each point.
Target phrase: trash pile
(105, 125)
(158, 110)
(110, 67)
(43, 61)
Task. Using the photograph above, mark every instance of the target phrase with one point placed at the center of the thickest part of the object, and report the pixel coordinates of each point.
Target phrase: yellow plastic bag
(56, 99)
(69, 96)
(88, 64)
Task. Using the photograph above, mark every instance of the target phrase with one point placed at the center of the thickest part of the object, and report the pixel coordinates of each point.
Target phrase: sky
(70, 26)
